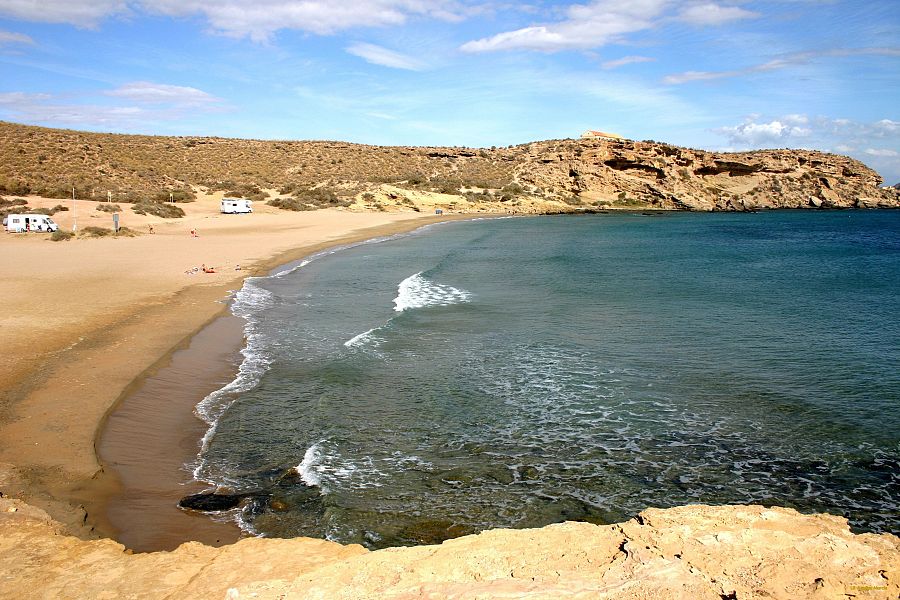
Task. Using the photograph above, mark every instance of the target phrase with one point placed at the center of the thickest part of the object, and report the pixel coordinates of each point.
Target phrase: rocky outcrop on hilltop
(625, 173)
(697, 552)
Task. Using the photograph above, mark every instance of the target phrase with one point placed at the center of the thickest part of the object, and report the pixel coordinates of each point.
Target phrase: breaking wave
(417, 291)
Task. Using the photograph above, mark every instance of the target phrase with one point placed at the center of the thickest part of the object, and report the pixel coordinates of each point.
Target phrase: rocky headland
(697, 552)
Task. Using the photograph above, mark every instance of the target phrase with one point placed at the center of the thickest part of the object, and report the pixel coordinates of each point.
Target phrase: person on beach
(194, 233)
(150, 227)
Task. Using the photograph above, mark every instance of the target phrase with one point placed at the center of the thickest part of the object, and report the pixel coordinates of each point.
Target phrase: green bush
(247, 190)
(306, 199)
(61, 235)
(14, 202)
(181, 195)
(157, 209)
(109, 208)
(290, 204)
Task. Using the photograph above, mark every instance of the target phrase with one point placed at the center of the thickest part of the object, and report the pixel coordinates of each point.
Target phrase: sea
(518, 372)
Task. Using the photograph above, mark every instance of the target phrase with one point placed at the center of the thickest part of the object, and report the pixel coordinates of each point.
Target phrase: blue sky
(713, 74)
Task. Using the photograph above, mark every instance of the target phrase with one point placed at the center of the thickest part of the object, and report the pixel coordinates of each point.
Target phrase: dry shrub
(158, 209)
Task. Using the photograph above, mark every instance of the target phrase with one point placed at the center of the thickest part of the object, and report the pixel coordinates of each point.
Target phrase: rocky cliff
(691, 552)
(625, 173)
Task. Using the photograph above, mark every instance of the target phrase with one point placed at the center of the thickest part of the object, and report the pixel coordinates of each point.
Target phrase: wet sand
(153, 433)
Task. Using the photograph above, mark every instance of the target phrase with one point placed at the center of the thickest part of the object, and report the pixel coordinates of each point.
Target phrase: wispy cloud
(626, 60)
(21, 98)
(8, 38)
(710, 13)
(378, 55)
(260, 19)
(602, 22)
(586, 26)
(144, 105)
(798, 58)
(256, 20)
(881, 152)
(158, 93)
(81, 13)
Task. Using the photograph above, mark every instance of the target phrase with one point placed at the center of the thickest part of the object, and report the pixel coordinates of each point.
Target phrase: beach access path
(83, 319)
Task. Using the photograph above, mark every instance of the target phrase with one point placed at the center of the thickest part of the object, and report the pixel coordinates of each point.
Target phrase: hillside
(548, 176)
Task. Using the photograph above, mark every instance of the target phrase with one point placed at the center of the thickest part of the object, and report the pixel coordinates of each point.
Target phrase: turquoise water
(520, 372)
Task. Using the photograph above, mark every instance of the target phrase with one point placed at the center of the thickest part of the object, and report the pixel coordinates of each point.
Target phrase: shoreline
(102, 316)
(143, 513)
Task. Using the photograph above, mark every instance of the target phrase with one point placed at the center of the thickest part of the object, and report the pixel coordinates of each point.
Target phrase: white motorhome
(29, 222)
(231, 206)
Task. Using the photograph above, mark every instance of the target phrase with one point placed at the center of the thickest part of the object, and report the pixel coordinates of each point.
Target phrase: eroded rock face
(622, 173)
(696, 552)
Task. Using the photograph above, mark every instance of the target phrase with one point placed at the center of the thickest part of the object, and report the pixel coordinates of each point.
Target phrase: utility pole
(74, 211)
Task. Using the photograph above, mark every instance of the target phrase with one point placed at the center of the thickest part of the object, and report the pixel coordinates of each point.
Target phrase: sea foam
(307, 469)
(417, 291)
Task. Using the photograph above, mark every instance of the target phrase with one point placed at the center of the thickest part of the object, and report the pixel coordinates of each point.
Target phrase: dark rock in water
(257, 501)
(211, 502)
(528, 473)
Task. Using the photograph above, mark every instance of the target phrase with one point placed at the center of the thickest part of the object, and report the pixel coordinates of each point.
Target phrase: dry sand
(85, 319)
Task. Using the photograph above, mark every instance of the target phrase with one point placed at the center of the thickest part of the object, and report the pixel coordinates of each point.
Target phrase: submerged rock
(212, 502)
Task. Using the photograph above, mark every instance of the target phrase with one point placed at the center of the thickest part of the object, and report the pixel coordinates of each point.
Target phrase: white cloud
(710, 13)
(157, 93)
(886, 126)
(144, 105)
(378, 55)
(586, 26)
(799, 58)
(881, 152)
(19, 98)
(83, 13)
(260, 19)
(626, 60)
(602, 22)
(8, 38)
(257, 20)
(753, 134)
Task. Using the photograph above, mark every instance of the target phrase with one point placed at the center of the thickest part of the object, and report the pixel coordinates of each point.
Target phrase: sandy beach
(88, 320)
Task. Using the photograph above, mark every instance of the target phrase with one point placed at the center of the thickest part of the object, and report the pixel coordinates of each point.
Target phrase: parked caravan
(29, 222)
(231, 206)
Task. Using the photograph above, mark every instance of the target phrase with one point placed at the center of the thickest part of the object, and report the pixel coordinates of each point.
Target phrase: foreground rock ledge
(695, 552)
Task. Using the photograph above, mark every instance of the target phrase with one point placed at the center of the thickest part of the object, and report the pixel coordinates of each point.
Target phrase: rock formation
(623, 173)
(696, 552)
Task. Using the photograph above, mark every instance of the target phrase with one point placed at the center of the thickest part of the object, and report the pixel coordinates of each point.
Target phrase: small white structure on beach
(233, 206)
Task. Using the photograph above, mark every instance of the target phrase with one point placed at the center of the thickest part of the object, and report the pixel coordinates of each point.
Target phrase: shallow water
(520, 372)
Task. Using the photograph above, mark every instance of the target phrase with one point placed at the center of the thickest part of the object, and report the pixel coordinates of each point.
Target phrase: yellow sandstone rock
(692, 552)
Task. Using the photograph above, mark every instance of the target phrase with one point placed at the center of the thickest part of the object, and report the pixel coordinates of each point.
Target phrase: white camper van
(231, 206)
(30, 222)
